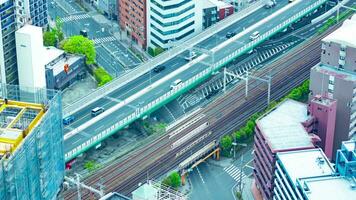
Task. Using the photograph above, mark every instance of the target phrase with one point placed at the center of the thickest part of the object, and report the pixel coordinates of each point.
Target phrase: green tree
(173, 180)
(151, 51)
(81, 45)
(49, 38)
(226, 142)
(59, 29)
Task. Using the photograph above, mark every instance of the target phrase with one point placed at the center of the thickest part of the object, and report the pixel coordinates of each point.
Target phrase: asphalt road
(75, 19)
(142, 82)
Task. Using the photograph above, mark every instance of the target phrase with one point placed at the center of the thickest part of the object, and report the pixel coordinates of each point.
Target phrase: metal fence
(147, 66)
(190, 83)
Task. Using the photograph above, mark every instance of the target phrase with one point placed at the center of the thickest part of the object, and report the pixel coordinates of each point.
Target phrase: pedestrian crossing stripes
(74, 17)
(234, 172)
(104, 39)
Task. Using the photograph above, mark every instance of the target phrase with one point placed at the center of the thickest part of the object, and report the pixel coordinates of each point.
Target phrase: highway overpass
(138, 98)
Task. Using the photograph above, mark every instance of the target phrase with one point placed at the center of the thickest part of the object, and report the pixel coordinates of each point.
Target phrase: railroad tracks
(225, 114)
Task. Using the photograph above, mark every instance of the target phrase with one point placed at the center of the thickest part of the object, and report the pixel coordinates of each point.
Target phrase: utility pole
(340, 5)
(79, 185)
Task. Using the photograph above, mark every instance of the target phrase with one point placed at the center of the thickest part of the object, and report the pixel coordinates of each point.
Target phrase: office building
(31, 144)
(14, 15)
(29, 47)
(279, 130)
(8, 64)
(308, 175)
(132, 14)
(171, 22)
(335, 76)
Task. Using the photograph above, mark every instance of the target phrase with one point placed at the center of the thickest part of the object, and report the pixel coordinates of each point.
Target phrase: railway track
(156, 158)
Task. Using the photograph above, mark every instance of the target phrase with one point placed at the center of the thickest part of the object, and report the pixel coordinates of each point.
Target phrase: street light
(241, 162)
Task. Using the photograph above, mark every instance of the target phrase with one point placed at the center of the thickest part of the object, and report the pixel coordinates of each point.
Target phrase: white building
(172, 21)
(30, 62)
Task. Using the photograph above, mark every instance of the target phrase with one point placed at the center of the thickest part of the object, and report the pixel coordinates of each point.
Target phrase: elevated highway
(137, 99)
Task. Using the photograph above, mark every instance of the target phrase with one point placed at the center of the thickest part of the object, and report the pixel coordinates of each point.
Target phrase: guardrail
(147, 66)
(185, 86)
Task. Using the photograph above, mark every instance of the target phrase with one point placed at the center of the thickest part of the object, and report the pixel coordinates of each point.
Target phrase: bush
(91, 165)
(151, 51)
(102, 76)
(49, 38)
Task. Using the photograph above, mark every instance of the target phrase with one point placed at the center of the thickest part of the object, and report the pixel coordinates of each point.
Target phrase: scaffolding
(31, 137)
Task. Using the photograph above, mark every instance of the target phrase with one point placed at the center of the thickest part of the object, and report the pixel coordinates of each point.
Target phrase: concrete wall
(331, 55)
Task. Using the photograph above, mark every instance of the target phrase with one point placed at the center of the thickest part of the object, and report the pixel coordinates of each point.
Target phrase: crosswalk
(234, 172)
(74, 17)
(104, 39)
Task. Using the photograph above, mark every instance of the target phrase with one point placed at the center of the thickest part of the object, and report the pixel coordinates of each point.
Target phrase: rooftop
(282, 126)
(30, 29)
(219, 4)
(345, 34)
(17, 119)
(330, 70)
(305, 163)
(55, 61)
(323, 100)
(329, 188)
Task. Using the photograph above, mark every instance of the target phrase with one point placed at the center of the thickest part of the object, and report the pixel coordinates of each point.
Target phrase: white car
(191, 56)
(176, 83)
(255, 35)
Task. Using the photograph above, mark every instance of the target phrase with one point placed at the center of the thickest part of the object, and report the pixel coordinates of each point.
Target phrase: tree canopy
(79, 44)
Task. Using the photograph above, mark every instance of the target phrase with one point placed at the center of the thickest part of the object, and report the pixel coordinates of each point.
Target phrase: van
(96, 111)
(255, 35)
(176, 83)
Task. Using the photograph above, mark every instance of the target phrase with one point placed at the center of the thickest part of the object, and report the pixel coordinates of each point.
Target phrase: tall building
(308, 175)
(14, 14)
(323, 112)
(31, 144)
(8, 64)
(172, 21)
(132, 14)
(30, 61)
(279, 130)
(335, 76)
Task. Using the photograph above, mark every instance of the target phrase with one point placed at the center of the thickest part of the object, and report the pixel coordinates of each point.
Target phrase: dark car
(68, 120)
(159, 68)
(230, 34)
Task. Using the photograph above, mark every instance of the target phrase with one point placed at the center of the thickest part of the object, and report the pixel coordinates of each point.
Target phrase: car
(290, 1)
(191, 56)
(270, 3)
(68, 120)
(230, 34)
(159, 68)
(255, 35)
(84, 33)
(176, 83)
(97, 111)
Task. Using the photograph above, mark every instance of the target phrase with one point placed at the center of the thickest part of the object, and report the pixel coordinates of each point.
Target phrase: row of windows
(173, 14)
(166, 41)
(174, 22)
(170, 6)
(172, 31)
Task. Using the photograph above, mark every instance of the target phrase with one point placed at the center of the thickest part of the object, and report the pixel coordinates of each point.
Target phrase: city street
(111, 53)
(213, 180)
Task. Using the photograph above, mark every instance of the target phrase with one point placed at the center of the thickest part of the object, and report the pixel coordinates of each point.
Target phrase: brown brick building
(132, 14)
